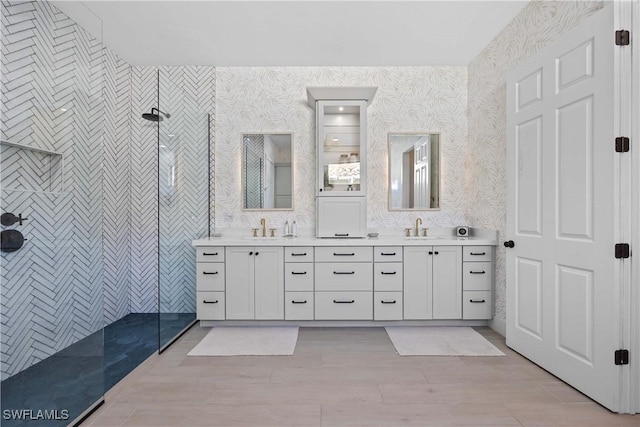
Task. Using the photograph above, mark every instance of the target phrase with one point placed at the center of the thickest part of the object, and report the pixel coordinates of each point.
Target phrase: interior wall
(52, 98)
(273, 100)
(187, 93)
(116, 211)
(537, 25)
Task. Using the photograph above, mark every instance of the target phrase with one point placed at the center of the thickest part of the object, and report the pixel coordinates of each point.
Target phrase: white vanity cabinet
(356, 280)
(343, 283)
(477, 282)
(298, 283)
(210, 283)
(387, 283)
(432, 282)
(255, 278)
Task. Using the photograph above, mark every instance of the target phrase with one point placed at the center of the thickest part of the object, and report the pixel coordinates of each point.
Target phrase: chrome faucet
(263, 223)
(418, 224)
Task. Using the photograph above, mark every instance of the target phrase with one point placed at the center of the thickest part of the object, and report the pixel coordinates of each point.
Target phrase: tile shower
(81, 299)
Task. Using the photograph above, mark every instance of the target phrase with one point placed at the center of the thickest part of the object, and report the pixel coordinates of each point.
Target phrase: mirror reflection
(414, 171)
(267, 180)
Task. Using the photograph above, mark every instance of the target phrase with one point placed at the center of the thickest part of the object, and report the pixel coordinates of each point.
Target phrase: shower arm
(167, 115)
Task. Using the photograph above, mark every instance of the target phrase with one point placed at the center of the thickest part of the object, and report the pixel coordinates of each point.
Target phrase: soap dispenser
(286, 228)
(294, 229)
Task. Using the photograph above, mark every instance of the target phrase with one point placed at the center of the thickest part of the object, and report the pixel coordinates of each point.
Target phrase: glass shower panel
(51, 171)
(183, 197)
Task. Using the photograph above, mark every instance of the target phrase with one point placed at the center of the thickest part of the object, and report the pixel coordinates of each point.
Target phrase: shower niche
(25, 168)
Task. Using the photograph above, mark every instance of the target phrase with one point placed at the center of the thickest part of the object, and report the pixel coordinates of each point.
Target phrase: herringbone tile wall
(92, 253)
(116, 213)
(52, 75)
(144, 192)
(185, 93)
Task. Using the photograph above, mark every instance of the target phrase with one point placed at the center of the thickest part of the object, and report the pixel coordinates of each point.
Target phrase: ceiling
(294, 33)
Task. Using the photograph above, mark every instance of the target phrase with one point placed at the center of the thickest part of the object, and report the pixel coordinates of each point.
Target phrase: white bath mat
(440, 341)
(248, 341)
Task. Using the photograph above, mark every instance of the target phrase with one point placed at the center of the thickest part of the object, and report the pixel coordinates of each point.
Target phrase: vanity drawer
(387, 305)
(298, 306)
(298, 276)
(477, 276)
(210, 305)
(344, 305)
(477, 253)
(343, 254)
(298, 254)
(387, 254)
(477, 305)
(387, 276)
(210, 254)
(210, 276)
(357, 276)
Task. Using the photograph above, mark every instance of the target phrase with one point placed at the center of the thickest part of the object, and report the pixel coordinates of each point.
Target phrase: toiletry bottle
(286, 228)
(294, 229)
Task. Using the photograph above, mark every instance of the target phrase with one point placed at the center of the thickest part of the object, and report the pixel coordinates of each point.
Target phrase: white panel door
(562, 277)
(240, 278)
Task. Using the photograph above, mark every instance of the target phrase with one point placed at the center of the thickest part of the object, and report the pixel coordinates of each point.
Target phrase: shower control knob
(10, 219)
(11, 240)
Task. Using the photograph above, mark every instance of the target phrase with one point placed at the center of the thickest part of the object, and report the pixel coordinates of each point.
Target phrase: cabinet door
(417, 282)
(269, 283)
(341, 147)
(240, 277)
(447, 282)
(342, 217)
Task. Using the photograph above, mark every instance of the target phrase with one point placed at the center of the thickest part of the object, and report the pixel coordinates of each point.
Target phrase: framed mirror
(267, 175)
(414, 171)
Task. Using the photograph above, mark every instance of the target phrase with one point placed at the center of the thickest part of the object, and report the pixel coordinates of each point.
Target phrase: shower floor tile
(77, 376)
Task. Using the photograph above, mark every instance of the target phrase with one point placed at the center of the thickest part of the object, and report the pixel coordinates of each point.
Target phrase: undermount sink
(423, 237)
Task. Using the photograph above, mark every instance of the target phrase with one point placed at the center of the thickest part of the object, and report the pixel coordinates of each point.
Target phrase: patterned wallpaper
(537, 25)
(409, 99)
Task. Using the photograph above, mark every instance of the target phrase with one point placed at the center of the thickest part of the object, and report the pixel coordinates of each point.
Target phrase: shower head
(155, 117)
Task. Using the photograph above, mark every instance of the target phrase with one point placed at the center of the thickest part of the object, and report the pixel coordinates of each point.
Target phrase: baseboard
(499, 325)
(342, 323)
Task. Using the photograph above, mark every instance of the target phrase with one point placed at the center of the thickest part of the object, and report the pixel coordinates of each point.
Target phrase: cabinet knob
(251, 253)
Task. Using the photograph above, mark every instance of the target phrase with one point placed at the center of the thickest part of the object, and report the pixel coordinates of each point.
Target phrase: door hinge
(623, 38)
(622, 250)
(622, 144)
(621, 357)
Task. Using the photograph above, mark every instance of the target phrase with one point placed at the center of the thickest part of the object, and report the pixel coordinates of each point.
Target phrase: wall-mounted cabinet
(342, 148)
(341, 153)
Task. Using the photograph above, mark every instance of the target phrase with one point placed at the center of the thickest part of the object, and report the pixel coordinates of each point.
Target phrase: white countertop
(444, 237)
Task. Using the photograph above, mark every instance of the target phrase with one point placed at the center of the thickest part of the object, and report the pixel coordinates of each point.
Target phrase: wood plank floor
(346, 377)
